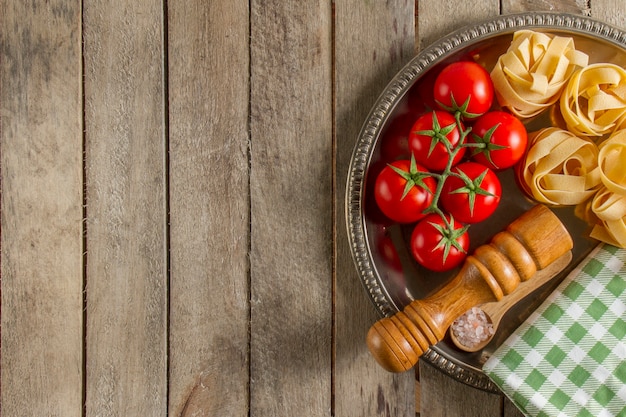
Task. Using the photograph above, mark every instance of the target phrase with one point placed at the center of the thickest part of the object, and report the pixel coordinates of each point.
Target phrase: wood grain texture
(459, 399)
(291, 208)
(126, 220)
(439, 18)
(209, 207)
(216, 268)
(510, 410)
(41, 160)
(373, 40)
(568, 6)
(609, 11)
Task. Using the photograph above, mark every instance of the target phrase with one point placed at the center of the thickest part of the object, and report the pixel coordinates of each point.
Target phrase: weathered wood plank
(41, 159)
(126, 267)
(439, 18)
(291, 208)
(373, 40)
(209, 207)
(510, 410)
(444, 396)
(568, 6)
(609, 11)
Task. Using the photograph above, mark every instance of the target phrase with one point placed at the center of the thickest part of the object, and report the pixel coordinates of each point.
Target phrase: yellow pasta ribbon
(609, 204)
(563, 169)
(531, 75)
(560, 168)
(611, 159)
(594, 101)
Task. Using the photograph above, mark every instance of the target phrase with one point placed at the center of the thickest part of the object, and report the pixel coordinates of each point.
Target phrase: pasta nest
(559, 168)
(562, 169)
(607, 209)
(530, 76)
(594, 101)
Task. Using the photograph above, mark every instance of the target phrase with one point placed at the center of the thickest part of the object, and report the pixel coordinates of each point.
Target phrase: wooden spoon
(497, 309)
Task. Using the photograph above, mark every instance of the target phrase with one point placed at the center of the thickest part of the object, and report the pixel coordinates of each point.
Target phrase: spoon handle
(497, 309)
(531, 242)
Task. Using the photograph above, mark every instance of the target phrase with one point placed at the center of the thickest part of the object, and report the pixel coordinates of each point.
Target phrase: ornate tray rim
(376, 119)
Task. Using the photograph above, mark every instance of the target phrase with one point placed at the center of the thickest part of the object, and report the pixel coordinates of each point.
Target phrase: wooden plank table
(172, 231)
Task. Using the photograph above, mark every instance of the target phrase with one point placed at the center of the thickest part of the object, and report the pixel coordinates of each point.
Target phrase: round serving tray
(391, 278)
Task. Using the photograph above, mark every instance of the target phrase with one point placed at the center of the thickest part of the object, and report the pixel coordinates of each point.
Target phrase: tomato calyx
(459, 109)
(485, 145)
(452, 151)
(471, 187)
(439, 243)
(438, 134)
(449, 236)
(414, 177)
(500, 138)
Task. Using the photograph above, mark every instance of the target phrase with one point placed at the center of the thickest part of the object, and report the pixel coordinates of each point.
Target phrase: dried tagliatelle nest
(531, 75)
(559, 168)
(593, 102)
(563, 169)
(607, 210)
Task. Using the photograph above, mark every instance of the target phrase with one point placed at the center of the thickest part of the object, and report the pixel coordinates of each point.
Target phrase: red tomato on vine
(465, 87)
(403, 190)
(432, 139)
(472, 194)
(502, 138)
(439, 246)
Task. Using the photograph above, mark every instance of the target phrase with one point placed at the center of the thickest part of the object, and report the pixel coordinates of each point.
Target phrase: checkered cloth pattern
(569, 357)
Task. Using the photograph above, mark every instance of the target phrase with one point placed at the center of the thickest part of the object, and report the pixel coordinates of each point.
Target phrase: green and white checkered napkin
(569, 357)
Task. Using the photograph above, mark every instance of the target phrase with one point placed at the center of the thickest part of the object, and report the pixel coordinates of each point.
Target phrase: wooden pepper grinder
(530, 243)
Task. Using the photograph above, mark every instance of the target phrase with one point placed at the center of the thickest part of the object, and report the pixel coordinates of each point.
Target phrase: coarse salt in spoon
(474, 330)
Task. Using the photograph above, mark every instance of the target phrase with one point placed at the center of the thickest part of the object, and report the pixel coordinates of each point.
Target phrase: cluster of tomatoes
(450, 182)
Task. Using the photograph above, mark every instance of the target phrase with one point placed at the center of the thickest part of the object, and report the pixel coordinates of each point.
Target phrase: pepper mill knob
(530, 243)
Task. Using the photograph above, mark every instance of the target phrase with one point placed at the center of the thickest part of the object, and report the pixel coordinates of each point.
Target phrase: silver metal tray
(391, 278)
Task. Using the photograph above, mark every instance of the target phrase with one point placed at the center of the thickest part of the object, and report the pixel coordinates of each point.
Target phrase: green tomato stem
(414, 178)
(447, 171)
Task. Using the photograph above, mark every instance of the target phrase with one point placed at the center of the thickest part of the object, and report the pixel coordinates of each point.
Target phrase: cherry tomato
(464, 86)
(474, 196)
(504, 138)
(428, 138)
(437, 247)
(403, 190)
